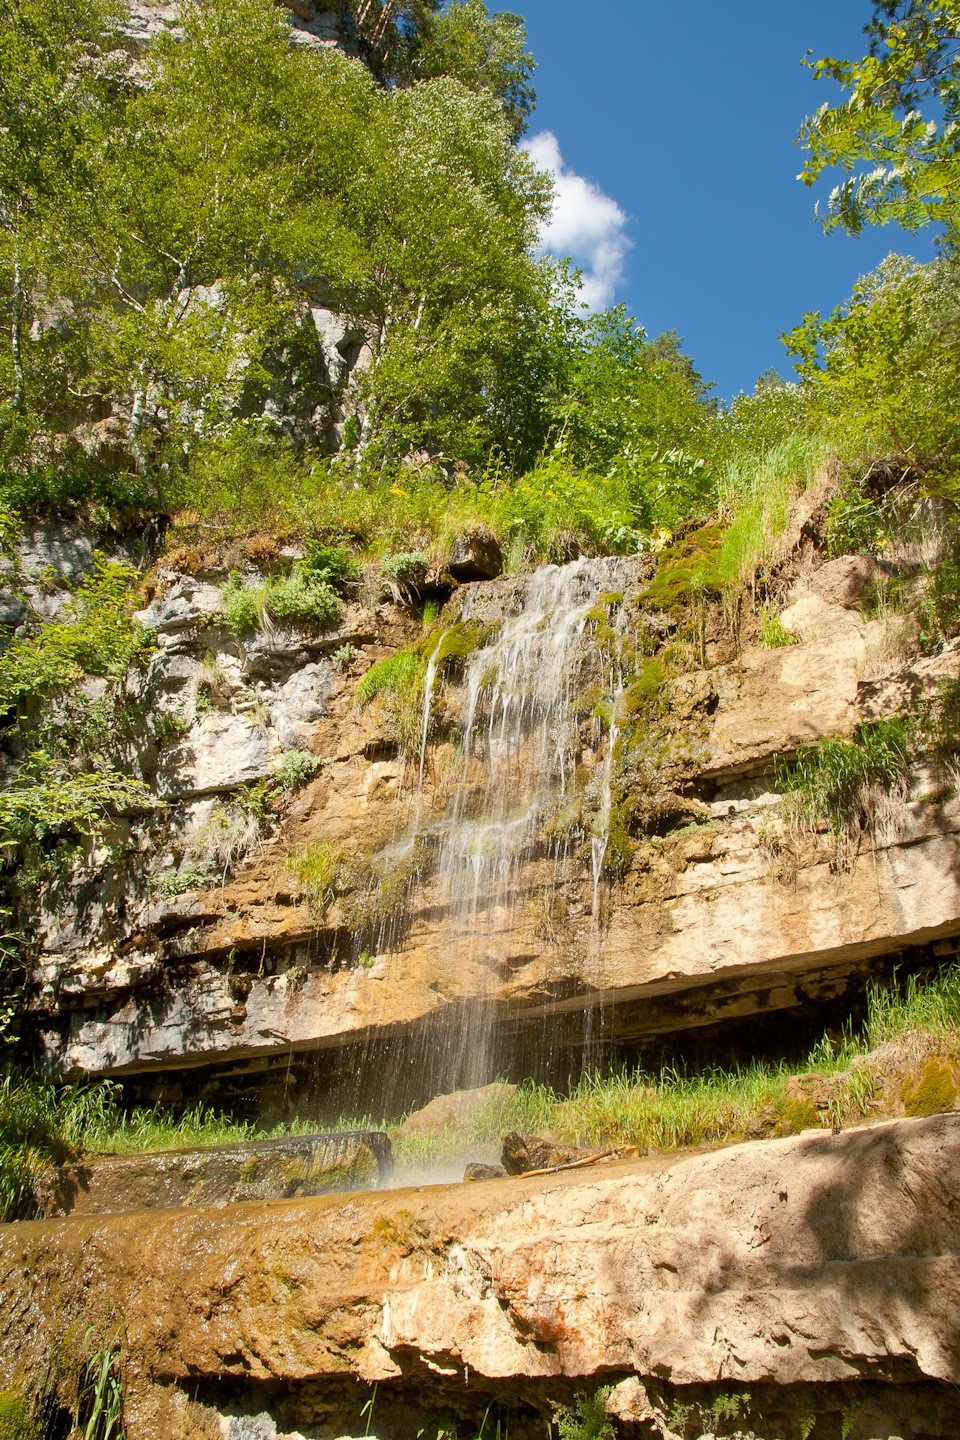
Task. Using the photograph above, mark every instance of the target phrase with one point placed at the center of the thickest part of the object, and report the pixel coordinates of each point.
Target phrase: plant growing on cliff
(857, 786)
(587, 1419)
(301, 598)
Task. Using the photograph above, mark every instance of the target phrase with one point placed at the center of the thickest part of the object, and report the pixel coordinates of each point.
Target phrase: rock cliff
(664, 890)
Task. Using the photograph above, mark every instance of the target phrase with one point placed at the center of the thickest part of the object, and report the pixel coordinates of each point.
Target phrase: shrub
(302, 597)
(406, 566)
(298, 598)
(296, 768)
(333, 564)
(588, 1420)
(243, 606)
(95, 633)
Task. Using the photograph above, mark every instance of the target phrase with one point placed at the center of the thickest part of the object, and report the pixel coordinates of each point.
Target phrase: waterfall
(520, 742)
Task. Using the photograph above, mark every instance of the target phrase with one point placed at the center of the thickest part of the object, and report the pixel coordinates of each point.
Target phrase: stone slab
(278, 1169)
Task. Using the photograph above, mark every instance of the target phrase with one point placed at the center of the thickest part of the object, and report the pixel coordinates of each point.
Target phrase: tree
(884, 369)
(897, 132)
(484, 52)
(52, 95)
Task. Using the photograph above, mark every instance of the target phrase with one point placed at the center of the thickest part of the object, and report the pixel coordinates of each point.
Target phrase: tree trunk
(16, 322)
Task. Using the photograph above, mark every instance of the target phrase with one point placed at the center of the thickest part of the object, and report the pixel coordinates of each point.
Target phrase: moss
(620, 846)
(16, 1421)
(641, 691)
(687, 570)
(610, 597)
(935, 1091)
(797, 1115)
(457, 642)
(248, 1170)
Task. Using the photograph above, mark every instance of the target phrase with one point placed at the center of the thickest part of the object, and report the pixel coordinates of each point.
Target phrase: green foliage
(756, 494)
(883, 370)
(296, 768)
(47, 799)
(911, 166)
(100, 1397)
(837, 780)
(317, 866)
(179, 882)
(857, 523)
(687, 570)
(397, 674)
(30, 1139)
(95, 635)
(484, 52)
(405, 567)
(773, 632)
(16, 1417)
(303, 597)
(588, 1420)
(334, 564)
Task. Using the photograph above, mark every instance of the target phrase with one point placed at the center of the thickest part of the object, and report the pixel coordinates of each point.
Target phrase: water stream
(519, 748)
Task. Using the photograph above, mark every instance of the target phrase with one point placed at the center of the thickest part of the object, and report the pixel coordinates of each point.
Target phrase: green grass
(756, 495)
(671, 1110)
(838, 780)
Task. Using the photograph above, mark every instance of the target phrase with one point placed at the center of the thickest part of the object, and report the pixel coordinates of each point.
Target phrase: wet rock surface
(279, 1169)
(826, 1262)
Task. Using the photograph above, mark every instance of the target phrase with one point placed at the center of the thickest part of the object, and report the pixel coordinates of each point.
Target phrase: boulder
(477, 1171)
(522, 1153)
(453, 1112)
(476, 556)
(846, 581)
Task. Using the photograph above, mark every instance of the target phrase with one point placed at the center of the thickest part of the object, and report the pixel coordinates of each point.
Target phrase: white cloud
(586, 224)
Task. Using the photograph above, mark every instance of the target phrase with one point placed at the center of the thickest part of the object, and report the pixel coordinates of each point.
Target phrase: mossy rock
(642, 691)
(797, 1115)
(16, 1419)
(934, 1092)
(687, 569)
(457, 642)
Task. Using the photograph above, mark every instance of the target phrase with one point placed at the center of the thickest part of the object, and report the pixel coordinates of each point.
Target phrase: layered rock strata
(733, 916)
(820, 1274)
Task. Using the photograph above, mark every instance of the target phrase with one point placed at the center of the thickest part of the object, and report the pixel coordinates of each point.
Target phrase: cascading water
(498, 862)
(520, 741)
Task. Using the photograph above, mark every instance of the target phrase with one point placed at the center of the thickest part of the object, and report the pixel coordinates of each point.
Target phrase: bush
(296, 768)
(301, 597)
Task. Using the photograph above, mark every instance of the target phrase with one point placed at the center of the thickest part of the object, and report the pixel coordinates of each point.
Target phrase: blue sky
(675, 126)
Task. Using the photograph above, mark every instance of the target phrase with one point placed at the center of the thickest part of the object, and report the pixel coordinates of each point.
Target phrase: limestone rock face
(733, 916)
(819, 1260)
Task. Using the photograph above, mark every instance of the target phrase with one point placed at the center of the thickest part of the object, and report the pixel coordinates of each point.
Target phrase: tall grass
(757, 493)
